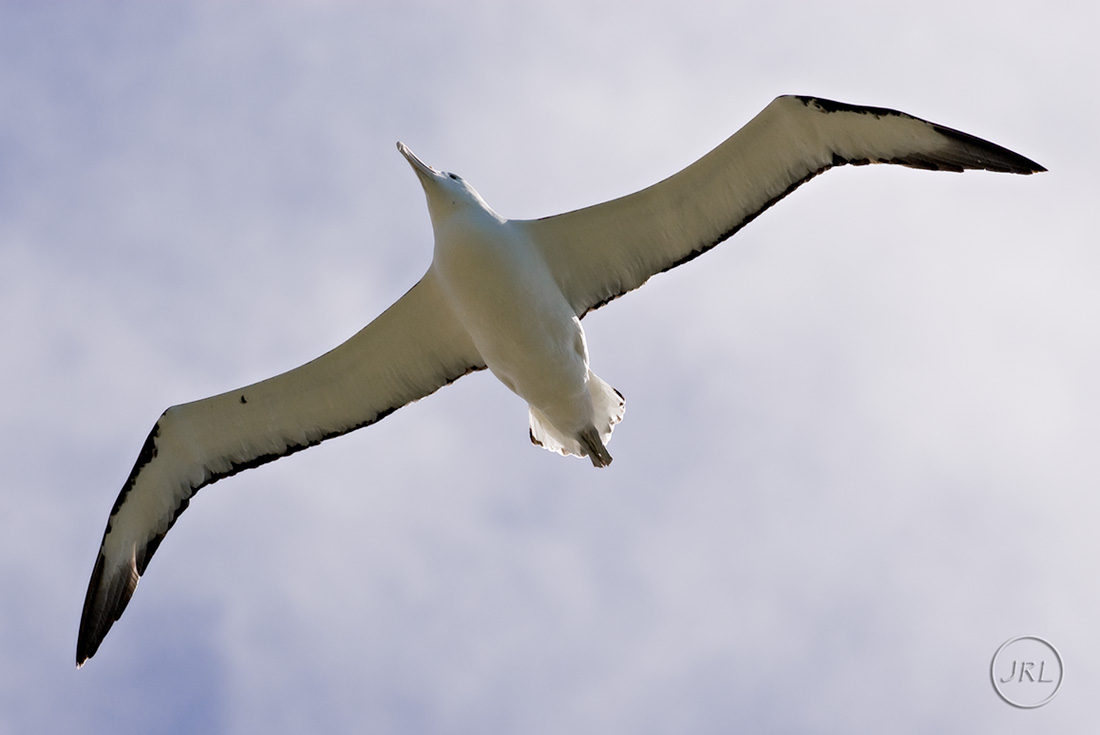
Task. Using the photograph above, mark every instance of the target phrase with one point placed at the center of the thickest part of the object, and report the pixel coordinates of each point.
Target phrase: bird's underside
(420, 344)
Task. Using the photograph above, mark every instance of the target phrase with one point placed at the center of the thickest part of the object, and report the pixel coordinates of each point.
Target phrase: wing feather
(601, 252)
(414, 348)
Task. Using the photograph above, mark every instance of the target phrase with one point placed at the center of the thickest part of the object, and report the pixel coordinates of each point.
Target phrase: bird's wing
(601, 252)
(415, 347)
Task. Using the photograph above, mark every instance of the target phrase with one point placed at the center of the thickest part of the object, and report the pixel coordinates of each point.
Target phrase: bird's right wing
(599, 253)
(412, 349)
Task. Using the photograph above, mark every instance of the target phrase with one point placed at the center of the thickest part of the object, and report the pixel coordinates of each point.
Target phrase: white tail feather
(608, 405)
(608, 408)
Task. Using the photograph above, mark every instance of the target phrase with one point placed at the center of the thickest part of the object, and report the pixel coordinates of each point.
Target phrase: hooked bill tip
(419, 166)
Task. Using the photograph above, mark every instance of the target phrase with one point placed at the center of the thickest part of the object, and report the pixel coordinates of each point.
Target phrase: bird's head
(447, 193)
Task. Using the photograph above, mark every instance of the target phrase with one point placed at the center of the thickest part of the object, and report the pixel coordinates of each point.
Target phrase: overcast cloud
(860, 445)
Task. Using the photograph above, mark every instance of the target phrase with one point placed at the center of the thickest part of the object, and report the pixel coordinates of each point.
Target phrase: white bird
(507, 295)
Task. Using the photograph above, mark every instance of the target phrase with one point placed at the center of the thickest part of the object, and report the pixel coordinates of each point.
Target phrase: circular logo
(1026, 671)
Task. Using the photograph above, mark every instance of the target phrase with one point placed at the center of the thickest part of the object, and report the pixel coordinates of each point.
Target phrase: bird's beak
(423, 170)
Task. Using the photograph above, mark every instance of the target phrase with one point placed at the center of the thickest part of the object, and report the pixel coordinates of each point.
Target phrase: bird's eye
(453, 177)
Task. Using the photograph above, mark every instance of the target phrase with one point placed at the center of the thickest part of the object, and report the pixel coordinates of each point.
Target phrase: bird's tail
(608, 407)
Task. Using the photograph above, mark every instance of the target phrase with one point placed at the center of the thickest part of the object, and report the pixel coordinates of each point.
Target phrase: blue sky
(859, 448)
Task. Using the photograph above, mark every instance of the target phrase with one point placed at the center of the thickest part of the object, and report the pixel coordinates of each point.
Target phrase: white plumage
(507, 295)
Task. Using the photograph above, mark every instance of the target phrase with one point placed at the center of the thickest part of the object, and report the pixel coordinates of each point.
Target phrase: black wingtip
(974, 152)
(107, 597)
(92, 630)
(967, 152)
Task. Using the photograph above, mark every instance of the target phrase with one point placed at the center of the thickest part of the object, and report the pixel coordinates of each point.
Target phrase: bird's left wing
(412, 349)
(601, 252)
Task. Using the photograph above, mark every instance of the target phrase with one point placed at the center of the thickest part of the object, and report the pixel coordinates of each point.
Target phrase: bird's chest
(505, 297)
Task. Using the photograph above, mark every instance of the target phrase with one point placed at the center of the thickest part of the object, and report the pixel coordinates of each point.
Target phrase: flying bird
(507, 295)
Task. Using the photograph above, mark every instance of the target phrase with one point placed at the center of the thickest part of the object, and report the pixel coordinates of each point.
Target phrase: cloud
(857, 454)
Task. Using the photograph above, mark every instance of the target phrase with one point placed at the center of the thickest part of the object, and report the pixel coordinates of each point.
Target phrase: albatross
(507, 295)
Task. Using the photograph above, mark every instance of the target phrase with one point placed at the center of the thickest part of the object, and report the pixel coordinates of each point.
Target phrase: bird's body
(507, 295)
(501, 290)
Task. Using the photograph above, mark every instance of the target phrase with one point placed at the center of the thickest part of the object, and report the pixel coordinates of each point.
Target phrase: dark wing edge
(602, 252)
(431, 352)
(103, 605)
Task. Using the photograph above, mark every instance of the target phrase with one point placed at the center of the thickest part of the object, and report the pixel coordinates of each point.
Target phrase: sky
(859, 446)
